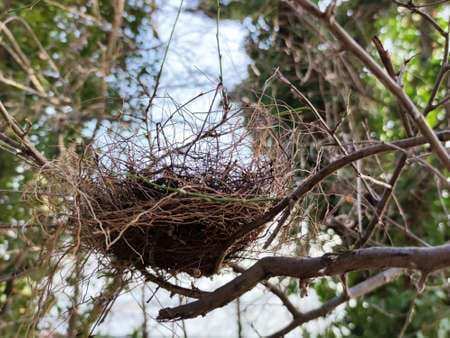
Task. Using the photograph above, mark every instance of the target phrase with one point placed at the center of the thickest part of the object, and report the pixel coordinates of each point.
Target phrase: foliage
(306, 55)
(55, 61)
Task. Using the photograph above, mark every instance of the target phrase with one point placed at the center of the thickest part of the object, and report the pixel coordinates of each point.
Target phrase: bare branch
(18, 131)
(423, 259)
(356, 291)
(381, 205)
(276, 291)
(413, 8)
(174, 289)
(311, 181)
(324, 124)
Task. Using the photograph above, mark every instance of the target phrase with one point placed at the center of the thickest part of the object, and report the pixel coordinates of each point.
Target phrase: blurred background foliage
(69, 49)
(349, 97)
(71, 95)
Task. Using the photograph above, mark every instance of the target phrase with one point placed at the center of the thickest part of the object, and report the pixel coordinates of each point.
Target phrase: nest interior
(172, 221)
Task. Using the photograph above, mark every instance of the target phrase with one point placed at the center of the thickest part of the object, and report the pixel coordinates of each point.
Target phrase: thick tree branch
(350, 44)
(423, 259)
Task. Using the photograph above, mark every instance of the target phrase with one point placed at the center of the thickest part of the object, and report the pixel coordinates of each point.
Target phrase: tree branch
(21, 135)
(381, 205)
(276, 291)
(356, 291)
(310, 182)
(423, 259)
(174, 289)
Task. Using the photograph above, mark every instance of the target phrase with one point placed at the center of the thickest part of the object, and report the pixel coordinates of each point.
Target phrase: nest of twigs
(172, 205)
(171, 220)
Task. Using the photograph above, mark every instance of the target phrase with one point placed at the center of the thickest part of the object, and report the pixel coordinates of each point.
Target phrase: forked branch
(425, 260)
(25, 144)
(354, 292)
(312, 181)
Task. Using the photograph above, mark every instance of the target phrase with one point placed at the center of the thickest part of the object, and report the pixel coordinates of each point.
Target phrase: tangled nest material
(174, 221)
(168, 210)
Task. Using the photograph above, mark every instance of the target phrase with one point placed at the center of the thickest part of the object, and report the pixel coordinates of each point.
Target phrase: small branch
(277, 229)
(276, 291)
(113, 36)
(11, 143)
(409, 317)
(426, 16)
(158, 77)
(440, 103)
(407, 232)
(297, 93)
(347, 234)
(381, 205)
(430, 3)
(20, 134)
(354, 292)
(174, 289)
(440, 77)
(385, 57)
(387, 62)
(103, 25)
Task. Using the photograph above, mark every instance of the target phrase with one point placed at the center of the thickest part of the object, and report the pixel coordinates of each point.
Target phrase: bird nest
(171, 204)
(173, 221)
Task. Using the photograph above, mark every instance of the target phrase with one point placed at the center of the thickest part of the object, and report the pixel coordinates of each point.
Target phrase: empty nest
(171, 220)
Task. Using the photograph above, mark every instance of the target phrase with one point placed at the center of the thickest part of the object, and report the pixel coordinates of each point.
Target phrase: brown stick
(21, 135)
(276, 291)
(174, 289)
(356, 291)
(382, 204)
